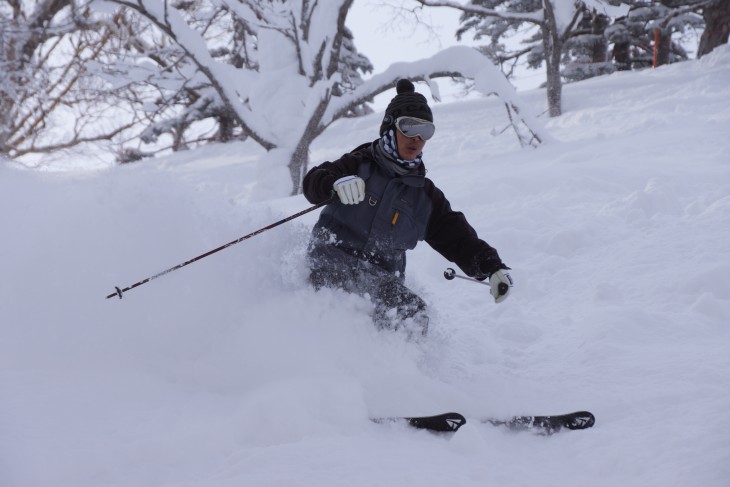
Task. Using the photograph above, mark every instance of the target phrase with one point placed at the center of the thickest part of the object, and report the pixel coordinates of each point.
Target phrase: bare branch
(75, 141)
(536, 17)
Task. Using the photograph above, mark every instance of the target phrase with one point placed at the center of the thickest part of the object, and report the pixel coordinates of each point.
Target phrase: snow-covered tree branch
(44, 48)
(494, 17)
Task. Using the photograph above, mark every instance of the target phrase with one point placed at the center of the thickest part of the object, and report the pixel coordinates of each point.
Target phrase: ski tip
(580, 420)
(446, 422)
(546, 425)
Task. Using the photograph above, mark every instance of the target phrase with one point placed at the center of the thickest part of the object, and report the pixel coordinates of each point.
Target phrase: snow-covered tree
(168, 92)
(585, 52)
(263, 70)
(44, 46)
(179, 94)
(573, 38)
(644, 36)
(283, 71)
(550, 23)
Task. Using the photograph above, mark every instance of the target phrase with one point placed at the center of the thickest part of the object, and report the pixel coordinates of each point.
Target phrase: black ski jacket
(398, 211)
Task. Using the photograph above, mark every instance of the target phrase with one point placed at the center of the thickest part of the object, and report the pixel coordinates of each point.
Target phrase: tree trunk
(299, 163)
(226, 124)
(552, 44)
(622, 55)
(599, 50)
(717, 26)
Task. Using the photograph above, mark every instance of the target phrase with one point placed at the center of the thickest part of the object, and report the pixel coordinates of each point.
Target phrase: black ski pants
(396, 306)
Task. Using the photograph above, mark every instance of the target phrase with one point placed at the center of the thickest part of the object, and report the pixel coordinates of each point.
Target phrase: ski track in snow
(232, 371)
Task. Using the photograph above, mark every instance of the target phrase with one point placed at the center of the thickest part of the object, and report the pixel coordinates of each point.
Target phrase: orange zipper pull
(395, 218)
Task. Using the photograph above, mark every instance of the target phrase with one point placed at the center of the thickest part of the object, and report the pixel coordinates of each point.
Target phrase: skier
(384, 205)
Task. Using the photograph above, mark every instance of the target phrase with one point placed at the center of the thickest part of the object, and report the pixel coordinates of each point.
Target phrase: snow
(233, 371)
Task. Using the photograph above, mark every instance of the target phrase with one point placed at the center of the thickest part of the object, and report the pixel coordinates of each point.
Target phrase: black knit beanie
(406, 103)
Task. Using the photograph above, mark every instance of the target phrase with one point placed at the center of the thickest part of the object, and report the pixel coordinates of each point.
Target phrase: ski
(443, 423)
(543, 425)
(546, 425)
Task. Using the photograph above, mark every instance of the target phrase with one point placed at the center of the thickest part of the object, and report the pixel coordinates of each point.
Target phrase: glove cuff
(486, 265)
(502, 267)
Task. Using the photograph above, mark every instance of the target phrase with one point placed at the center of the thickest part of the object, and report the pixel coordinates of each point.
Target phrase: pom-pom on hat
(406, 103)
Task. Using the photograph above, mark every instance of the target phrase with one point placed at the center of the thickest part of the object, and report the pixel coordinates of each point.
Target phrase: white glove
(350, 189)
(500, 283)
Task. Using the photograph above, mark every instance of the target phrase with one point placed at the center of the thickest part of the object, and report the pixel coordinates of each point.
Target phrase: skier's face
(409, 147)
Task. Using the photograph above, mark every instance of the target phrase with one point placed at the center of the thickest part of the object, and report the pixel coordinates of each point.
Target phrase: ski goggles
(412, 127)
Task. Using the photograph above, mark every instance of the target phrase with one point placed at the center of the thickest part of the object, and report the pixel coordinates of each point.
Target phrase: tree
(283, 71)
(496, 19)
(257, 67)
(182, 102)
(644, 36)
(717, 26)
(163, 84)
(585, 52)
(577, 35)
(44, 48)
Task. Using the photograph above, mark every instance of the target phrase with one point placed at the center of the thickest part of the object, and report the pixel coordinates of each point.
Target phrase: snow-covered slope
(233, 372)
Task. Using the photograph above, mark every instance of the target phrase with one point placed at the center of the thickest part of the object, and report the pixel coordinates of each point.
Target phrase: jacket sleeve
(452, 236)
(317, 184)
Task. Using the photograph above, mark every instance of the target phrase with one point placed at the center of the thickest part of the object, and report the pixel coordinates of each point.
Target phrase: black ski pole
(450, 274)
(120, 291)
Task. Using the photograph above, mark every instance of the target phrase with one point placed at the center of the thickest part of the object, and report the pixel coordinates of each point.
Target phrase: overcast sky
(386, 35)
